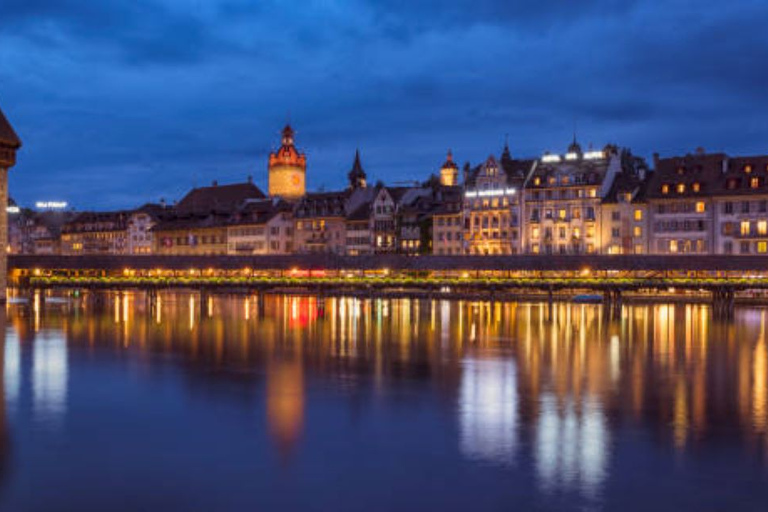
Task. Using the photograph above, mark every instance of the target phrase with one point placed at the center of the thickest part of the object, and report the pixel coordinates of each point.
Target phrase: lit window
(561, 214)
(748, 168)
(762, 227)
(665, 189)
(576, 233)
(638, 214)
(696, 187)
(681, 188)
(673, 246)
(593, 192)
(744, 227)
(537, 181)
(637, 231)
(535, 232)
(762, 247)
(754, 182)
(700, 207)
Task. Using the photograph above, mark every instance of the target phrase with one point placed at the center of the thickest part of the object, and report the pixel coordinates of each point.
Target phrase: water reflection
(49, 377)
(550, 393)
(488, 410)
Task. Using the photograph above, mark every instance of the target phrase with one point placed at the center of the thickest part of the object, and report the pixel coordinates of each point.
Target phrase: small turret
(449, 172)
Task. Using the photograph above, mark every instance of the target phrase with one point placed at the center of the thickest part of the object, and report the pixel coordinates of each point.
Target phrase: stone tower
(287, 169)
(449, 173)
(9, 143)
(357, 177)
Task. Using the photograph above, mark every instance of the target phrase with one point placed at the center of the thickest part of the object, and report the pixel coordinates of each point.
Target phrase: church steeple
(357, 177)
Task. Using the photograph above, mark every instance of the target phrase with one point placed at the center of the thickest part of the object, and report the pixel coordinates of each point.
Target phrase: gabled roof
(8, 136)
(218, 198)
(260, 211)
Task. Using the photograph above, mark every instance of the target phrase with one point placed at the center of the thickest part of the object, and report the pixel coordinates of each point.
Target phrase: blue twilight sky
(120, 102)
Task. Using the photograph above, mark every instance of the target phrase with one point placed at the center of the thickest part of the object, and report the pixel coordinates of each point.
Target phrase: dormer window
(537, 181)
(747, 168)
(552, 180)
(680, 188)
(665, 189)
(731, 184)
(681, 170)
(696, 187)
(754, 182)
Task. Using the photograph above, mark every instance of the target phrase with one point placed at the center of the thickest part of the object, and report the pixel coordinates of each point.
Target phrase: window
(665, 189)
(637, 231)
(638, 215)
(747, 169)
(744, 247)
(537, 181)
(728, 247)
(615, 216)
(762, 228)
(535, 232)
(745, 207)
(562, 213)
(700, 207)
(616, 232)
(745, 228)
(728, 207)
(680, 188)
(673, 246)
(762, 247)
(696, 187)
(576, 233)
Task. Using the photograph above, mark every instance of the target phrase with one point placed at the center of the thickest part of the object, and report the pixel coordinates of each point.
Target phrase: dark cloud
(122, 102)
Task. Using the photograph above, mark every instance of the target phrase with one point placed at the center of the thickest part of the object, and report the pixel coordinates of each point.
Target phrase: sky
(123, 102)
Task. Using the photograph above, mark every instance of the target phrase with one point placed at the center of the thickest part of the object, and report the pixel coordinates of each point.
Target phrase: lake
(298, 403)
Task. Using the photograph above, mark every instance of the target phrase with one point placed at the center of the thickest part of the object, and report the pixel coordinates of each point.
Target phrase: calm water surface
(291, 403)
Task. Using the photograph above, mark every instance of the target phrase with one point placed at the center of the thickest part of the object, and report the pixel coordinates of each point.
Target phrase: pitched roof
(218, 198)
(8, 137)
(703, 169)
(744, 175)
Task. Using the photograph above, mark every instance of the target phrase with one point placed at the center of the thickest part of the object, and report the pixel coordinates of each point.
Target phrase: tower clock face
(295, 179)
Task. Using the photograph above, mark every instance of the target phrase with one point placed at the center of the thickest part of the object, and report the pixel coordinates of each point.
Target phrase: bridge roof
(396, 262)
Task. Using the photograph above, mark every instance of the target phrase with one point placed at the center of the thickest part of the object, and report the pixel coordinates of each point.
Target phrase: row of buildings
(593, 201)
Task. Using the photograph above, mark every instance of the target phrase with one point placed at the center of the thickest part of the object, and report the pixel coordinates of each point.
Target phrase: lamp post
(9, 144)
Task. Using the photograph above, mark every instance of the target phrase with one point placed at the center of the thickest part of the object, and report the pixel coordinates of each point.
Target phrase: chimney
(250, 179)
(656, 160)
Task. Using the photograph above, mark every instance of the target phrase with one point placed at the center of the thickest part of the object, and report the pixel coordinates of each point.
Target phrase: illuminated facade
(564, 197)
(96, 233)
(287, 169)
(740, 207)
(493, 206)
(680, 203)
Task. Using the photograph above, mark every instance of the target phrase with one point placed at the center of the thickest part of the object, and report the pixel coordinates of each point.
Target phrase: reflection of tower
(5, 365)
(285, 403)
(9, 143)
(287, 169)
(449, 173)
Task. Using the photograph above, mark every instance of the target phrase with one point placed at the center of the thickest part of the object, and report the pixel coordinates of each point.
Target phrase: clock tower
(287, 169)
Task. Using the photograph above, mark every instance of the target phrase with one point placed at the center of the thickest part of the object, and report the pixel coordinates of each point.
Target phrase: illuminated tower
(449, 173)
(9, 143)
(287, 169)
